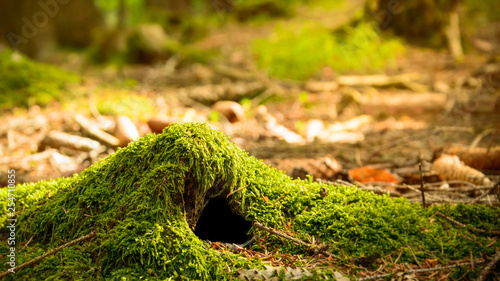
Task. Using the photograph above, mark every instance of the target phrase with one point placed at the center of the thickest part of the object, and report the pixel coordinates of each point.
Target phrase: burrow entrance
(218, 223)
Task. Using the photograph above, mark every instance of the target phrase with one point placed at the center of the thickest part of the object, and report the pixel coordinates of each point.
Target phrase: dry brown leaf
(478, 158)
(157, 125)
(233, 111)
(449, 167)
(125, 130)
(369, 174)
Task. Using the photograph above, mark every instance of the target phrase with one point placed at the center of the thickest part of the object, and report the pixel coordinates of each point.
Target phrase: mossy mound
(144, 201)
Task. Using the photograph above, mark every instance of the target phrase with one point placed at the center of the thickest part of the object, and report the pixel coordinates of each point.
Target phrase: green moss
(25, 82)
(144, 200)
(123, 102)
(299, 53)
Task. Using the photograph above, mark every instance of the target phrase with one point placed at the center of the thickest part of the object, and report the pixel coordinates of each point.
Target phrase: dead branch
(51, 252)
(453, 36)
(486, 270)
(494, 232)
(362, 187)
(95, 132)
(437, 268)
(295, 240)
(378, 80)
(421, 184)
(57, 139)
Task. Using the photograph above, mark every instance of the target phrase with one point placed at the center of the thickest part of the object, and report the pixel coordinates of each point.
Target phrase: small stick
(437, 268)
(26, 243)
(234, 191)
(486, 270)
(489, 192)
(493, 140)
(414, 257)
(51, 252)
(421, 183)
(293, 239)
(494, 232)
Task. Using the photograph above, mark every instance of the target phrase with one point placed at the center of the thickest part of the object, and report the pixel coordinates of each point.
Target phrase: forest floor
(328, 126)
(369, 131)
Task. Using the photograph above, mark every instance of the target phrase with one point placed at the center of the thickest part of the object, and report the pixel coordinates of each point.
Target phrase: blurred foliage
(109, 8)
(124, 103)
(299, 53)
(25, 82)
(486, 10)
(262, 10)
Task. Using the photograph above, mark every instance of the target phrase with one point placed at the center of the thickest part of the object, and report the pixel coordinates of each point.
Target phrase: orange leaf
(369, 174)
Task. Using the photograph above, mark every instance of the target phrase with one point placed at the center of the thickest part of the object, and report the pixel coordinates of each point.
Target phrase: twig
(421, 184)
(293, 239)
(234, 191)
(433, 196)
(51, 252)
(489, 192)
(478, 138)
(361, 187)
(25, 245)
(414, 257)
(493, 139)
(381, 276)
(486, 270)
(494, 232)
(440, 201)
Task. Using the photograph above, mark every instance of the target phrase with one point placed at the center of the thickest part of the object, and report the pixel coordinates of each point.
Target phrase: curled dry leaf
(157, 125)
(478, 158)
(233, 111)
(369, 174)
(449, 167)
(125, 130)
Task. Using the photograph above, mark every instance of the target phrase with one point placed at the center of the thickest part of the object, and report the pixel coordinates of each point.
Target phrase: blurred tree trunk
(423, 22)
(122, 14)
(178, 10)
(36, 27)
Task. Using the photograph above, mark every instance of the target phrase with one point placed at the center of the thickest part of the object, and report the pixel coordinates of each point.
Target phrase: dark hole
(218, 223)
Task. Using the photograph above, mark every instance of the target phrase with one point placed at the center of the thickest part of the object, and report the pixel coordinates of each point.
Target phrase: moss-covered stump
(144, 201)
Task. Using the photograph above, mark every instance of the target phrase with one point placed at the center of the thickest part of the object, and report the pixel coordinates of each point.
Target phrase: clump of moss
(144, 200)
(124, 102)
(299, 53)
(25, 82)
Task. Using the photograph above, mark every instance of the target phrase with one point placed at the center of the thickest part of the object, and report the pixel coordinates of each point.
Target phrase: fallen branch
(457, 223)
(382, 276)
(486, 270)
(321, 249)
(94, 131)
(51, 252)
(57, 139)
(378, 80)
(421, 184)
